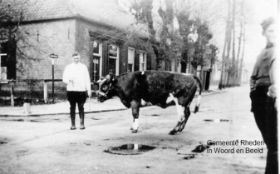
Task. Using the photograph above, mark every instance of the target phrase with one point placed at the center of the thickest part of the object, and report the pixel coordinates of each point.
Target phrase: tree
(173, 43)
(15, 40)
(162, 35)
(232, 61)
(9, 23)
(12, 15)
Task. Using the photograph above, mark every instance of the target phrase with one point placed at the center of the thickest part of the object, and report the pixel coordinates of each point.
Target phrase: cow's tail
(198, 82)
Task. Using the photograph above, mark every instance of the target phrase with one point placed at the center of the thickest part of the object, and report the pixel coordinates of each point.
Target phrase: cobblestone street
(46, 145)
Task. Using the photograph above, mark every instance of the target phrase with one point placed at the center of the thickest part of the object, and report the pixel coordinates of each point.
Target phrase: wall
(38, 41)
(35, 43)
(84, 45)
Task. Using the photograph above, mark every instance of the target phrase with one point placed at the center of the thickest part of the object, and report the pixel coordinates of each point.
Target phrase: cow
(160, 88)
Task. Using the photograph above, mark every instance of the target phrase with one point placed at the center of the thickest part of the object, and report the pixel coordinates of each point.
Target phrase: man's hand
(89, 93)
(272, 91)
(71, 82)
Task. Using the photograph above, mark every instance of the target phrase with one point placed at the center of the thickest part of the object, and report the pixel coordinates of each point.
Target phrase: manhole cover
(129, 149)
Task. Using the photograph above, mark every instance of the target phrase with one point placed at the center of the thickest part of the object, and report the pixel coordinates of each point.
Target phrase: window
(97, 49)
(113, 59)
(8, 60)
(131, 57)
(142, 61)
(97, 60)
(3, 66)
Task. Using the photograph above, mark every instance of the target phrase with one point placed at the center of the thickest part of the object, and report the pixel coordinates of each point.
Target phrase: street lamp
(53, 57)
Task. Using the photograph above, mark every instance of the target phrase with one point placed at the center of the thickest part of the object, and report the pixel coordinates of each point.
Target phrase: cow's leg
(135, 113)
(181, 116)
(187, 114)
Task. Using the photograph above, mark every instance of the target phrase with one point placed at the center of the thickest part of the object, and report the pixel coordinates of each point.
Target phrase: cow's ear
(108, 77)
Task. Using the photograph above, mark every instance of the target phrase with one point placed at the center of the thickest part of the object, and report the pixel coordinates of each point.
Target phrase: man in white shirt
(77, 78)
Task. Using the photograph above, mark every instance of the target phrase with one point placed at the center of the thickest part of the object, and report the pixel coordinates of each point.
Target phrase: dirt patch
(35, 121)
(200, 148)
(94, 118)
(189, 156)
(3, 141)
(216, 120)
(22, 152)
(155, 115)
(20, 120)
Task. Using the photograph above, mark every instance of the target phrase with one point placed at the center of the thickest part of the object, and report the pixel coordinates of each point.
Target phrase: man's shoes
(82, 127)
(72, 128)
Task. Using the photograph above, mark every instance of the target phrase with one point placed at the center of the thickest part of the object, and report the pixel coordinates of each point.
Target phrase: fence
(30, 90)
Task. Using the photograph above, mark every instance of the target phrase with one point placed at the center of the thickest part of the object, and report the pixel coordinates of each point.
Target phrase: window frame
(142, 60)
(133, 58)
(1, 56)
(99, 54)
(117, 58)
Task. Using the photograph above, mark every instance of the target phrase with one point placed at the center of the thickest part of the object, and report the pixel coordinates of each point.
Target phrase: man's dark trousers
(265, 114)
(79, 98)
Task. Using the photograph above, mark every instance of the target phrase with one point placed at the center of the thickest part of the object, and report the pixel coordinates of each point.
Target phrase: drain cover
(129, 149)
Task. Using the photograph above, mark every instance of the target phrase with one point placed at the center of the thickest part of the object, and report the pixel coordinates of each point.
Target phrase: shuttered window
(131, 57)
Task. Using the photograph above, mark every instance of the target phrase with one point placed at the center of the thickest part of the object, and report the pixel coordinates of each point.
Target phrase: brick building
(97, 30)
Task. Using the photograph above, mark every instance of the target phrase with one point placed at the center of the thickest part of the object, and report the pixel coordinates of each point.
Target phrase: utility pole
(53, 58)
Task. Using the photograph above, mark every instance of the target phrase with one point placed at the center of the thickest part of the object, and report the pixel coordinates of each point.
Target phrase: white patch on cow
(180, 109)
(170, 98)
(180, 112)
(135, 124)
(143, 102)
(143, 72)
(101, 83)
(198, 100)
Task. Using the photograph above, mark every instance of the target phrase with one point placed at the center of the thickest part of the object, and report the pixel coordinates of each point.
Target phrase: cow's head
(106, 88)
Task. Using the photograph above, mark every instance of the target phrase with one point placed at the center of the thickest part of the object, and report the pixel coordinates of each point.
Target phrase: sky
(261, 9)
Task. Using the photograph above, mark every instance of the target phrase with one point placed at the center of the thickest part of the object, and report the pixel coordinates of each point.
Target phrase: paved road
(46, 145)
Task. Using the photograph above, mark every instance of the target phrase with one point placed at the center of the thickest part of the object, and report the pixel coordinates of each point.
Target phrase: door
(113, 62)
(96, 60)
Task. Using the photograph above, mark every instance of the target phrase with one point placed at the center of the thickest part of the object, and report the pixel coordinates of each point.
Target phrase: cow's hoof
(182, 127)
(134, 131)
(172, 132)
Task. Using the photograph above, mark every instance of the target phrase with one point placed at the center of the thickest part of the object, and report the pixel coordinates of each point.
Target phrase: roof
(106, 12)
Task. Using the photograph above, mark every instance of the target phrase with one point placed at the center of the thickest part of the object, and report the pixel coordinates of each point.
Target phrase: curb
(59, 113)
(213, 92)
(88, 112)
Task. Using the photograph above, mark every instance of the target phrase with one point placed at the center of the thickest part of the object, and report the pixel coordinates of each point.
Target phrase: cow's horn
(101, 93)
(101, 81)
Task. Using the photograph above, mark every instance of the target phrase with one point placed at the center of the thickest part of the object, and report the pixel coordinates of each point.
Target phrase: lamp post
(53, 58)
(192, 38)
